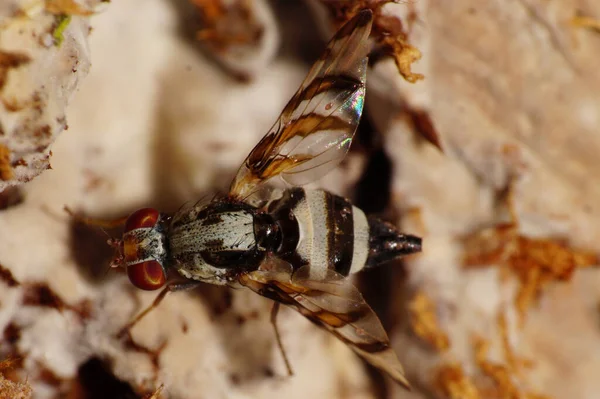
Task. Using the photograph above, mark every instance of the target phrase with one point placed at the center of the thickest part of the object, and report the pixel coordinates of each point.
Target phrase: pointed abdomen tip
(412, 244)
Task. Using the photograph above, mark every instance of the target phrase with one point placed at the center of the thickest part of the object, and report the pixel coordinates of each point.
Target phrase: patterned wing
(332, 303)
(316, 127)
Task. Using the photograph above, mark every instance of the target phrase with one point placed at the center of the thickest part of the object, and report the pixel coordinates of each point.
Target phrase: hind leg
(274, 312)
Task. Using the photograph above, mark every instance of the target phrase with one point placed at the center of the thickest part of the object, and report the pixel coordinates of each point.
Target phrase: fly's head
(143, 249)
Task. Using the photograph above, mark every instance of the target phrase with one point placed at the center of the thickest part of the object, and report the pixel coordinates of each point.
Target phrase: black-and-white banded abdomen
(326, 231)
(331, 232)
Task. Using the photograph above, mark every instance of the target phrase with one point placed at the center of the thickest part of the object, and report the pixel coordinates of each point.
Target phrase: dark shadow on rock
(11, 196)
(95, 381)
(373, 194)
(90, 251)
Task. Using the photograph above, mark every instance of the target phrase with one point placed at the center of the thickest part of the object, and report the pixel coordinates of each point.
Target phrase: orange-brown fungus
(500, 374)
(67, 7)
(388, 32)
(503, 377)
(452, 382)
(535, 261)
(226, 25)
(581, 21)
(9, 388)
(515, 363)
(424, 322)
(6, 170)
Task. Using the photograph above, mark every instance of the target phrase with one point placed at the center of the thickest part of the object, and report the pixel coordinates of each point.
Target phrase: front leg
(172, 287)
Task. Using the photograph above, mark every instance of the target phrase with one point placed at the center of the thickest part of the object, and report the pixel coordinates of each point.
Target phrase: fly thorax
(216, 245)
(224, 231)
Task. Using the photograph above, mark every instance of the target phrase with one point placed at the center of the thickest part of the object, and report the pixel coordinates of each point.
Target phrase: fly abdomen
(322, 230)
(326, 232)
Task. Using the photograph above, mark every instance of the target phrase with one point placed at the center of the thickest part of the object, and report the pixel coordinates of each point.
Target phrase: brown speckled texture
(38, 74)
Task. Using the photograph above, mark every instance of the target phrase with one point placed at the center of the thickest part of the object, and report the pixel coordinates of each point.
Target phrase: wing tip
(360, 21)
(364, 17)
(404, 382)
(397, 374)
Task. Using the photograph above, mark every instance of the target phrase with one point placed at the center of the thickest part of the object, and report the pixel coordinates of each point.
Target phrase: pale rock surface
(513, 91)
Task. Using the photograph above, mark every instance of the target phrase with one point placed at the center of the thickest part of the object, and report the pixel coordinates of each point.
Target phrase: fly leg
(274, 312)
(169, 288)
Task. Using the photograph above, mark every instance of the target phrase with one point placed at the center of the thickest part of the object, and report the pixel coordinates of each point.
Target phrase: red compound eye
(148, 275)
(145, 217)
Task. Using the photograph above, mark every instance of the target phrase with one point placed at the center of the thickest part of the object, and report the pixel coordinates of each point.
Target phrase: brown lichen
(7, 277)
(11, 334)
(40, 294)
(424, 322)
(153, 354)
(10, 60)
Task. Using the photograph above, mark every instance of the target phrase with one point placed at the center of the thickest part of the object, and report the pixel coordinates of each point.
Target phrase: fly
(299, 247)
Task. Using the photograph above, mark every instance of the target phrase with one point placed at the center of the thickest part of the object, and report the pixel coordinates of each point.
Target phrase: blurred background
(480, 134)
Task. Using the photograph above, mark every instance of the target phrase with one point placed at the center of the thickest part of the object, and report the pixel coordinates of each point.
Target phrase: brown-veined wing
(332, 303)
(316, 127)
